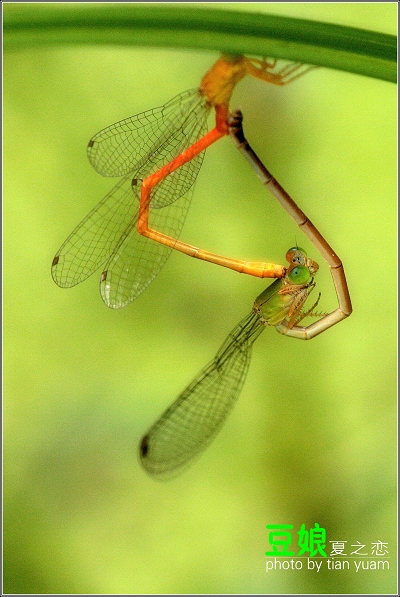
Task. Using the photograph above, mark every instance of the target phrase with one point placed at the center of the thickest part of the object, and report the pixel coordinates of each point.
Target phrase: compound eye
(299, 274)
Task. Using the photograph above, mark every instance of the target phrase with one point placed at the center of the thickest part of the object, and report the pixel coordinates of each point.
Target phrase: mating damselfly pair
(133, 230)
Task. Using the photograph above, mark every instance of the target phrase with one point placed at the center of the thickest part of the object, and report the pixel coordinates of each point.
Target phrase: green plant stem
(333, 46)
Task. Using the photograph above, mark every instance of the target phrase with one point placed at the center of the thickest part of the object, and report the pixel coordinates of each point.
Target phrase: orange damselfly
(158, 154)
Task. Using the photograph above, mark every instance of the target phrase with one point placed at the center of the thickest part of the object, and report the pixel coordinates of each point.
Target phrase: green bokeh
(313, 436)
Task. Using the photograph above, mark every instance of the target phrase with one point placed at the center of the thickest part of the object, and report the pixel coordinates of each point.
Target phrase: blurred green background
(313, 436)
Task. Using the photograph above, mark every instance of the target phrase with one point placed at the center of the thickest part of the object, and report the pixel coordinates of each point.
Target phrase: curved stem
(333, 46)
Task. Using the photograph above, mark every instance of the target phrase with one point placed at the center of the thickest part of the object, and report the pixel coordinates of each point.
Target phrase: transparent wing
(194, 419)
(95, 238)
(181, 180)
(137, 260)
(109, 231)
(125, 145)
